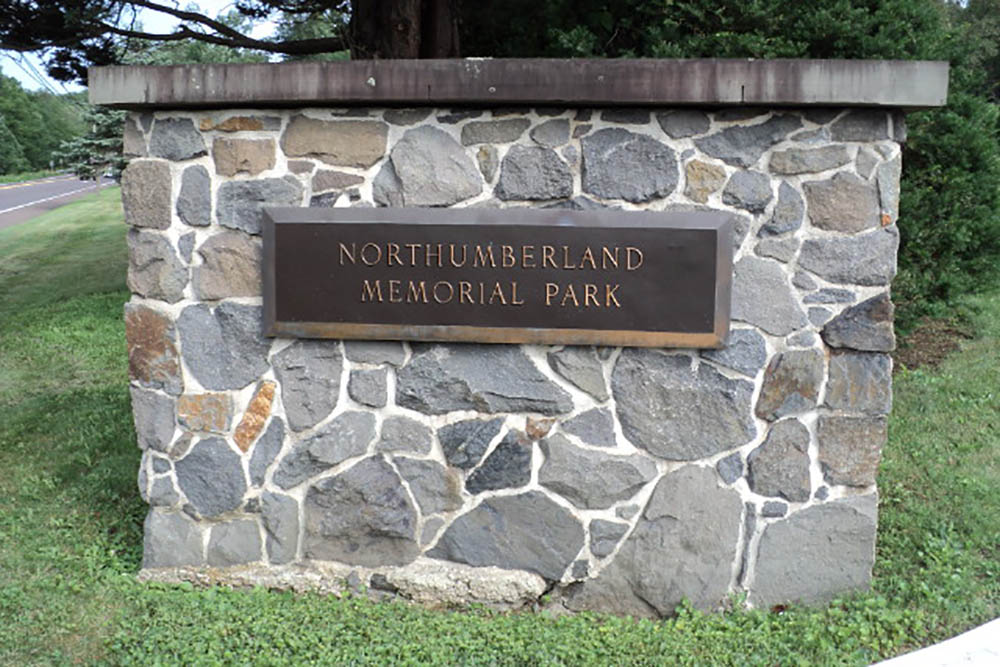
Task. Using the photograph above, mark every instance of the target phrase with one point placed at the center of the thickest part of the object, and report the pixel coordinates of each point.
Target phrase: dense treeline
(33, 124)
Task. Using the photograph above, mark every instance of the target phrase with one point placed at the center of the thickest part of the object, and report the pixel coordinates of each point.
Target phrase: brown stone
(334, 180)
(791, 384)
(230, 267)
(538, 428)
(860, 382)
(255, 417)
(702, 180)
(300, 167)
(146, 194)
(205, 412)
(344, 143)
(850, 448)
(239, 124)
(233, 156)
(133, 141)
(844, 203)
(152, 350)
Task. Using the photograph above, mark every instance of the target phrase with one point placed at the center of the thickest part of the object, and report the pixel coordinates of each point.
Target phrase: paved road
(23, 201)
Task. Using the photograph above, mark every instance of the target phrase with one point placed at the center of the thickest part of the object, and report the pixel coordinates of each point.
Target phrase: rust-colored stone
(255, 417)
(205, 412)
(237, 124)
(233, 156)
(152, 352)
(703, 179)
(538, 428)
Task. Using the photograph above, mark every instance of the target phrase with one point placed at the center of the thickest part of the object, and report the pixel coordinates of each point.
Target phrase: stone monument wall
(612, 479)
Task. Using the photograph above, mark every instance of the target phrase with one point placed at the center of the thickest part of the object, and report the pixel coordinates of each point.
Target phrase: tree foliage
(33, 125)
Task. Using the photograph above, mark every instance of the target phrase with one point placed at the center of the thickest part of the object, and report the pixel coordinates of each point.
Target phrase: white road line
(42, 201)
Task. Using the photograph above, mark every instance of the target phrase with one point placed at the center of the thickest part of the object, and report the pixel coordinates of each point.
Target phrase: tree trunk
(403, 29)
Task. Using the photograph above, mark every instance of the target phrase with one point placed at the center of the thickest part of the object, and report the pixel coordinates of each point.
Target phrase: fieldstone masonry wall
(612, 479)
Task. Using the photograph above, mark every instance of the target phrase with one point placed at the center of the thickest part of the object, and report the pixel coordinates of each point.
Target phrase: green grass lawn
(70, 516)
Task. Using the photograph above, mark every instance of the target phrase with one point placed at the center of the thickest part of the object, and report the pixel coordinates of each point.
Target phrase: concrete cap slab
(902, 84)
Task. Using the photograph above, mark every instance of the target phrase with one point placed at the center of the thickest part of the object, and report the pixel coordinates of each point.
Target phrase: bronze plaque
(499, 275)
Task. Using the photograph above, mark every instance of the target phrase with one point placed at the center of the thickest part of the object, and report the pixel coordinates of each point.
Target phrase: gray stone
(344, 143)
(861, 125)
(830, 295)
(675, 413)
(375, 352)
(488, 378)
(194, 203)
(581, 130)
(489, 161)
(749, 190)
(594, 427)
(818, 136)
(866, 326)
(146, 194)
(223, 347)
(265, 451)
(802, 339)
(627, 511)
(211, 476)
(820, 116)
(433, 169)
(605, 535)
(346, 436)
(749, 526)
(808, 160)
(850, 448)
(240, 204)
(730, 468)
(154, 269)
(819, 316)
(369, 387)
(745, 351)
(154, 419)
(234, 543)
(742, 146)
(330, 179)
(432, 527)
(581, 368)
(822, 493)
(162, 493)
(581, 204)
(458, 115)
(465, 442)
(405, 116)
(864, 259)
(435, 488)
(625, 115)
(592, 479)
(803, 281)
(551, 133)
(791, 384)
(133, 142)
(730, 114)
(887, 180)
(145, 121)
(387, 190)
(610, 153)
(683, 123)
(762, 297)
(788, 212)
(782, 250)
(361, 517)
(860, 382)
(533, 172)
(773, 509)
(844, 203)
(185, 246)
(161, 465)
(507, 467)
(816, 554)
(524, 532)
(580, 569)
(866, 163)
(176, 139)
(494, 131)
(231, 267)
(402, 434)
(170, 539)
(780, 466)
(280, 514)
(690, 530)
(309, 374)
